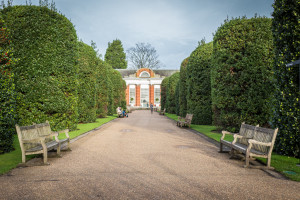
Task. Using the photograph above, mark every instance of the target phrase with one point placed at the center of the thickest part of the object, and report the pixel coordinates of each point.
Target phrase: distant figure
(124, 114)
(119, 112)
(151, 108)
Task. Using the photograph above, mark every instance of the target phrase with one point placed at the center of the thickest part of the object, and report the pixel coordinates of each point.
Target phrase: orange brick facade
(138, 97)
(151, 94)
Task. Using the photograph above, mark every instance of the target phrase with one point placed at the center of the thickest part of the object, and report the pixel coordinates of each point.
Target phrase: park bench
(254, 141)
(246, 132)
(185, 121)
(162, 112)
(39, 139)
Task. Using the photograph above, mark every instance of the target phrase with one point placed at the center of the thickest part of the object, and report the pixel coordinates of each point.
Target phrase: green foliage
(286, 33)
(115, 55)
(46, 74)
(87, 62)
(241, 73)
(198, 84)
(102, 88)
(163, 92)
(183, 88)
(177, 108)
(7, 88)
(117, 91)
(170, 93)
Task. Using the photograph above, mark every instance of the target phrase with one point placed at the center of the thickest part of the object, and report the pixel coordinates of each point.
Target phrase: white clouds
(173, 27)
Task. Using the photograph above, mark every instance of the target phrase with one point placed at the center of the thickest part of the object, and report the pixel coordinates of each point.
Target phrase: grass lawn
(10, 160)
(283, 164)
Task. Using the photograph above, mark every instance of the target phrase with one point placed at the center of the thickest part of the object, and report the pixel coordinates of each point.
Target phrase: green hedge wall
(118, 89)
(170, 93)
(183, 88)
(198, 84)
(46, 74)
(163, 93)
(177, 105)
(87, 62)
(102, 88)
(7, 87)
(286, 33)
(241, 74)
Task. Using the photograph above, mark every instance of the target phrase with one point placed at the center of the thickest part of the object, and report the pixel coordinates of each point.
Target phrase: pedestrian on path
(151, 108)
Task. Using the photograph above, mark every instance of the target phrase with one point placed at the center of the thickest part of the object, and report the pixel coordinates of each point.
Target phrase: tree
(115, 55)
(143, 56)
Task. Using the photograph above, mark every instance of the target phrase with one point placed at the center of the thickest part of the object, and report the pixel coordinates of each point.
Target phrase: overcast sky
(172, 27)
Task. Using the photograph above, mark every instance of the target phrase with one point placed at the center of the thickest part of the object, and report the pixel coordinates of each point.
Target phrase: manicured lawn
(283, 164)
(10, 160)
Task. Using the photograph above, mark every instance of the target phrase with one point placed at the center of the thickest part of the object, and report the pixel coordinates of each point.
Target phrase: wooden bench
(38, 139)
(260, 144)
(240, 139)
(185, 121)
(162, 112)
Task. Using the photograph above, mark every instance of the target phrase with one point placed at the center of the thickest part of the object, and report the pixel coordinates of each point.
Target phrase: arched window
(144, 74)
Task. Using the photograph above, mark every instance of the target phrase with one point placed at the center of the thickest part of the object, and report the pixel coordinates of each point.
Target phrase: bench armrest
(236, 136)
(260, 143)
(66, 132)
(224, 133)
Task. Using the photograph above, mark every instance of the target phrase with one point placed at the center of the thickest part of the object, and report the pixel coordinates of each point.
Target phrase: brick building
(143, 86)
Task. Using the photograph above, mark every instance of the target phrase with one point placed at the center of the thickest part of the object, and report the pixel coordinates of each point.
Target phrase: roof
(161, 72)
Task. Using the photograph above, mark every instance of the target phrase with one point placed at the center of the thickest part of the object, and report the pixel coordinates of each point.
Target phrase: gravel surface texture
(145, 156)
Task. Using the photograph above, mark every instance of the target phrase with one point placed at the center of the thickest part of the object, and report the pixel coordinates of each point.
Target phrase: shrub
(170, 93)
(198, 84)
(183, 88)
(241, 74)
(87, 62)
(286, 33)
(46, 74)
(7, 87)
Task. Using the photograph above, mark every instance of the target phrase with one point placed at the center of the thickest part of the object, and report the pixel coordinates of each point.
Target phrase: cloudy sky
(172, 27)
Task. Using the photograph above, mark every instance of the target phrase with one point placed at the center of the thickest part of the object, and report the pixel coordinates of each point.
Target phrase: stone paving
(145, 156)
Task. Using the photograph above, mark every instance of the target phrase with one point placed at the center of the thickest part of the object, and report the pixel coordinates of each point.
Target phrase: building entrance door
(145, 96)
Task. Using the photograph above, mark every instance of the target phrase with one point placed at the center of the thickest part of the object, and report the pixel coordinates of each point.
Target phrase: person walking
(151, 108)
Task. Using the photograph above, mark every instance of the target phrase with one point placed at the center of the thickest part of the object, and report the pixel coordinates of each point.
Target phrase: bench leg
(23, 157)
(58, 150)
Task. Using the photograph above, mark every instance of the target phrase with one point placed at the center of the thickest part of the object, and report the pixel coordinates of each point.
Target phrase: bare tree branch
(143, 56)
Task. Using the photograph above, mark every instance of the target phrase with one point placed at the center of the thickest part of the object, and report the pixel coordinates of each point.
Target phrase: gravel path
(144, 157)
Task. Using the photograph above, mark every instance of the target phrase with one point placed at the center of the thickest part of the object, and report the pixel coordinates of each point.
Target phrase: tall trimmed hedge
(46, 74)
(286, 33)
(7, 87)
(163, 93)
(198, 84)
(183, 88)
(170, 93)
(241, 73)
(87, 62)
(102, 89)
(117, 91)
